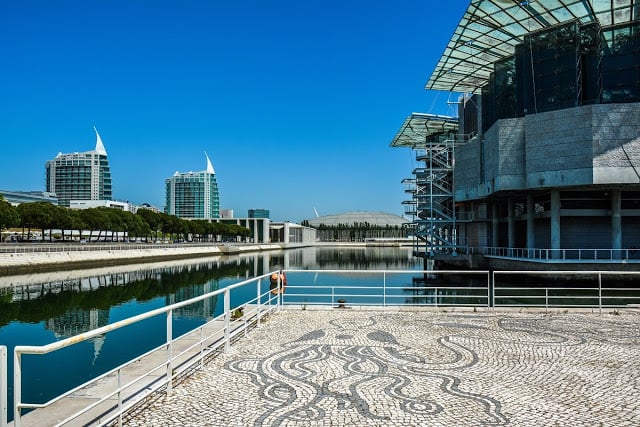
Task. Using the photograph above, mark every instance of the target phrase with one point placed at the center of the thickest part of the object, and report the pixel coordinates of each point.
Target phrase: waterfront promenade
(323, 366)
(16, 259)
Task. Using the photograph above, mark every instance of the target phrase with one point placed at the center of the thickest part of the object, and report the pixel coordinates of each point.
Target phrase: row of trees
(111, 224)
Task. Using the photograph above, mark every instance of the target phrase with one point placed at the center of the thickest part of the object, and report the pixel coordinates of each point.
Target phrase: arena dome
(377, 219)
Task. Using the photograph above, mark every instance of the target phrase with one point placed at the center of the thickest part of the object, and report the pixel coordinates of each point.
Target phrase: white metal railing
(382, 290)
(343, 288)
(560, 295)
(477, 288)
(214, 335)
(545, 254)
(15, 248)
(4, 387)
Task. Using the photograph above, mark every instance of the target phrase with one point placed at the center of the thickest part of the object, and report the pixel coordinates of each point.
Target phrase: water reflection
(72, 302)
(36, 309)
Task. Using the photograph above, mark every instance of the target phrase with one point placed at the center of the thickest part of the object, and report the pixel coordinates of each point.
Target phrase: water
(42, 308)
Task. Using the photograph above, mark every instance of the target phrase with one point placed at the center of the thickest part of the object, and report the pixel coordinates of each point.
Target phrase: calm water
(42, 308)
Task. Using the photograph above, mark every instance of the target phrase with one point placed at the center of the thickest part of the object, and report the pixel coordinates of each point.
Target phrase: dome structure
(375, 219)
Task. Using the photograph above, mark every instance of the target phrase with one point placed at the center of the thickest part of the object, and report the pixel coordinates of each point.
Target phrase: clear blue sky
(296, 102)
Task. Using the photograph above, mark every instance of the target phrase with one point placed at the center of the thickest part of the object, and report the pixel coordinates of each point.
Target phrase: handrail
(16, 248)
(385, 289)
(4, 374)
(565, 254)
(168, 366)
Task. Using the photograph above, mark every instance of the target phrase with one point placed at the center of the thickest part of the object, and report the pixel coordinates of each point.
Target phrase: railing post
(227, 316)
(332, 296)
(17, 389)
(384, 289)
(493, 290)
(599, 294)
(3, 386)
(258, 287)
(488, 290)
(436, 291)
(546, 300)
(201, 347)
(169, 351)
(119, 397)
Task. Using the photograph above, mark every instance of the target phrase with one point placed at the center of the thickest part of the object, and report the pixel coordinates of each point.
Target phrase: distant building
(226, 213)
(359, 226)
(80, 176)
(17, 197)
(193, 195)
(88, 204)
(258, 213)
(542, 160)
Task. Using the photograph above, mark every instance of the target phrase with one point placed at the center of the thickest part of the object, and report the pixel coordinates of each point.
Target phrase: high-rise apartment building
(193, 195)
(80, 176)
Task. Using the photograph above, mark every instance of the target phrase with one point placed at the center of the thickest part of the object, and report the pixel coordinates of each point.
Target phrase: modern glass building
(80, 176)
(258, 213)
(543, 159)
(193, 195)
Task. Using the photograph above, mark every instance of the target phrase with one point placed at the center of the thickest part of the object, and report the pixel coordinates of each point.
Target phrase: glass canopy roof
(490, 30)
(419, 127)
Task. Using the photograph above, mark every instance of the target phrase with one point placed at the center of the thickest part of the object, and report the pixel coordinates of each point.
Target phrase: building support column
(494, 224)
(531, 222)
(616, 223)
(265, 231)
(555, 224)
(511, 228)
(286, 232)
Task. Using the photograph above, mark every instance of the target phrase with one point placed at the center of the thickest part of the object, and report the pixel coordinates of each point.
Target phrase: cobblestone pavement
(421, 368)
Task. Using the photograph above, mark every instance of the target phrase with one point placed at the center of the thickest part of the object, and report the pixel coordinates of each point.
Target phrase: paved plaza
(337, 367)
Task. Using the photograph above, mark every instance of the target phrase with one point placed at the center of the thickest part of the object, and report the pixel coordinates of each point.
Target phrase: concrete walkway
(416, 368)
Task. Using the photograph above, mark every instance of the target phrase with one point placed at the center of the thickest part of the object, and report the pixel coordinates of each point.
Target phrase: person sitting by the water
(274, 279)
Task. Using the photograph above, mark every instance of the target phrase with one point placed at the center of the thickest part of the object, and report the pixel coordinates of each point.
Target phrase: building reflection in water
(73, 302)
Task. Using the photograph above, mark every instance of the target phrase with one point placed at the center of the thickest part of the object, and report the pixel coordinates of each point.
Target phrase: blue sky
(296, 102)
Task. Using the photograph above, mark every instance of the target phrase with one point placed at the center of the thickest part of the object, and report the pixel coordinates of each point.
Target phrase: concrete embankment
(33, 261)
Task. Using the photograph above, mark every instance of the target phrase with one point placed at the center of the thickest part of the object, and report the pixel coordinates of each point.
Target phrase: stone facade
(588, 145)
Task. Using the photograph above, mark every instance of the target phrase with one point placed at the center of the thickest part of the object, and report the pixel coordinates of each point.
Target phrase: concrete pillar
(511, 229)
(616, 222)
(494, 224)
(286, 232)
(265, 231)
(555, 223)
(531, 222)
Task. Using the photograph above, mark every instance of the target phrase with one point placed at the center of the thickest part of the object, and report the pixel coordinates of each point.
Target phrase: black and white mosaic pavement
(422, 368)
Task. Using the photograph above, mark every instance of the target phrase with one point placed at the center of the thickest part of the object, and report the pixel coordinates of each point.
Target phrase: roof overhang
(419, 127)
(490, 29)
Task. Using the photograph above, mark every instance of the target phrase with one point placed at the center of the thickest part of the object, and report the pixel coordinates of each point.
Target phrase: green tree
(37, 215)
(9, 216)
(152, 219)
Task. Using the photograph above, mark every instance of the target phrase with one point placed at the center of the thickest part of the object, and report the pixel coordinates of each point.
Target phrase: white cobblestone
(374, 368)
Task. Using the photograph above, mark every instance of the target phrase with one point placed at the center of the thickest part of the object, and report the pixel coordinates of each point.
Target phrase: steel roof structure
(490, 30)
(418, 127)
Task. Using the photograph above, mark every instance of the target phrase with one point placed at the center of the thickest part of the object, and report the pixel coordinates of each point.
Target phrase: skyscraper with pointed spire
(80, 176)
(193, 195)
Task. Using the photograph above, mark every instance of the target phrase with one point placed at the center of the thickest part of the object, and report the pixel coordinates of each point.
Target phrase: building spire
(99, 145)
(209, 165)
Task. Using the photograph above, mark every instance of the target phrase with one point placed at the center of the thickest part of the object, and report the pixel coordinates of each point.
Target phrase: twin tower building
(86, 176)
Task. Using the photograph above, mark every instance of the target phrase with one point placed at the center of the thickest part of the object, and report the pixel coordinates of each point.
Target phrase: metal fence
(12, 248)
(124, 385)
(542, 254)
(477, 288)
(327, 288)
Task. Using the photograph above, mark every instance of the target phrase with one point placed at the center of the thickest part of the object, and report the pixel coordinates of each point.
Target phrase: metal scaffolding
(432, 205)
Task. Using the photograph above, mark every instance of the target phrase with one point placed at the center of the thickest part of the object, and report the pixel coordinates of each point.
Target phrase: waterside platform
(37, 258)
(512, 263)
(362, 367)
